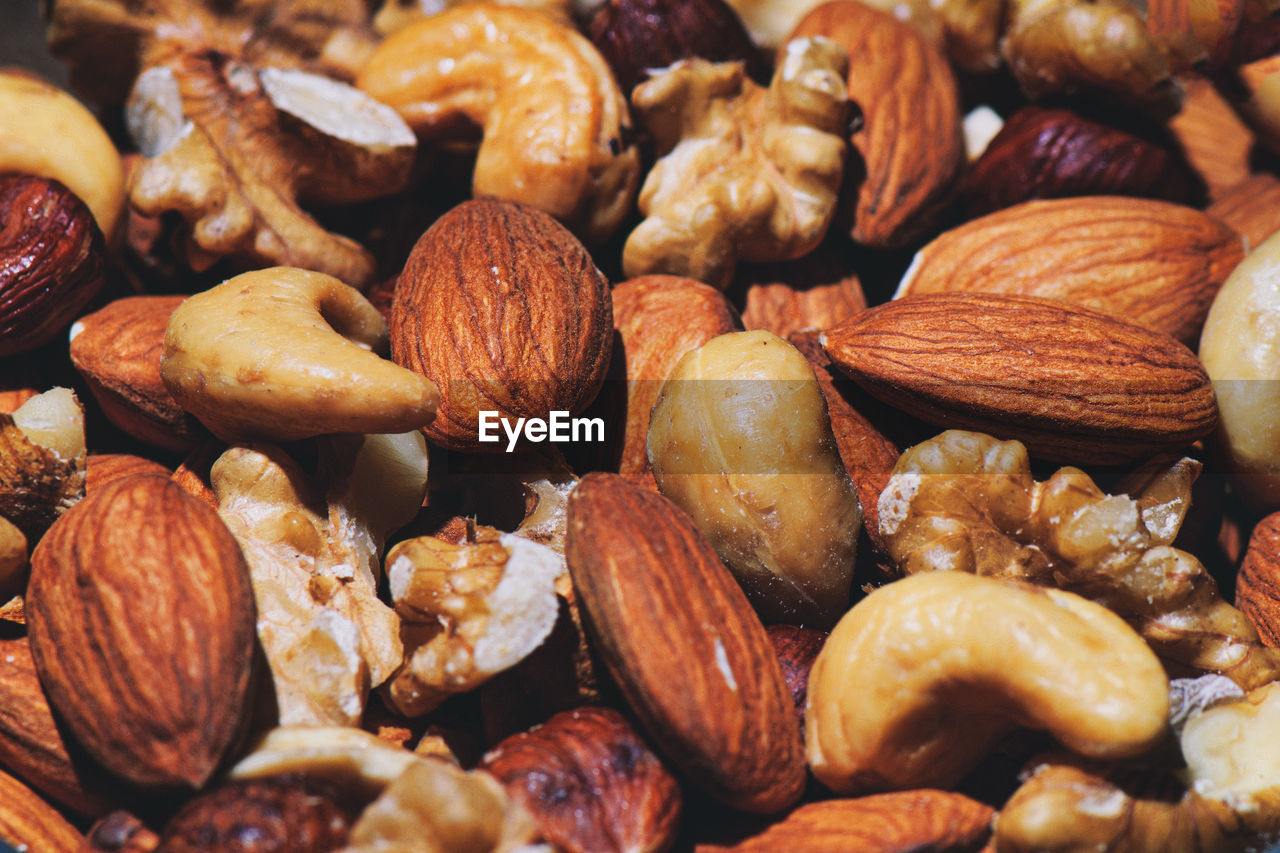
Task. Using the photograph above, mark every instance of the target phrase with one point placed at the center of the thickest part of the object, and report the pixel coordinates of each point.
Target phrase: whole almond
(103, 468)
(1151, 262)
(117, 350)
(910, 140)
(591, 783)
(142, 627)
(1258, 583)
(1251, 207)
(504, 310)
(919, 821)
(29, 823)
(782, 309)
(677, 634)
(1073, 384)
(1217, 142)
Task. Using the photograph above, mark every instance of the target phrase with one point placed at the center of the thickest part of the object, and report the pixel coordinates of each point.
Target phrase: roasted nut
(1239, 350)
(744, 172)
(32, 824)
(1230, 750)
(454, 319)
(555, 123)
(711, 696)
(259, 817)
(1073, 384)
(468, 612)
(964, 501)
(740, 439)
(120, 832)
(117, 350)
(637, 36)
(797, 648)
(920, 679)
(46, 132)
(1250, 207)
(234, 150)
(354, 761)
(590, 783)
(13, 558)
(284, 353)
(782, 309)
(103, 468)
(910, 140)
(1147, 262)
(1044, 152)
(157, 701)
(1258, 583)
(1216, 141)
(52, 260)
(42, 459)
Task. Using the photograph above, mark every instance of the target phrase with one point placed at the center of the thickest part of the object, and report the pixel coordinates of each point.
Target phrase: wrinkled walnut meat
(965, 501)
(743, 169)
(468, 611)
(313, 556)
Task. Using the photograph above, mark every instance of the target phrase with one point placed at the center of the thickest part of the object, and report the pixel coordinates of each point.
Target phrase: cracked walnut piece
(965, 501)
(743, 169)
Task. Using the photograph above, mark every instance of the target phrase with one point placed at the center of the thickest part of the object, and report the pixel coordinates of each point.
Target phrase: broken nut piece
(42, 460)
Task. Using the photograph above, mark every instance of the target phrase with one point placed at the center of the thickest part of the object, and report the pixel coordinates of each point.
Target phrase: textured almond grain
(30, 824)
(1214, 138)
(1150, 262)
(683, 644)
(504, 310)
(1073, 384)
(1251, 207)
(782, 309)
(910, 143)
(920, 821)
(1258, 583)
(142, 618)
(103, 468)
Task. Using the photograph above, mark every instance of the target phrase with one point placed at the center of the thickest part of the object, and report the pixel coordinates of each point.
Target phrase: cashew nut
(922, 677)
(285, 353)
(554, 120)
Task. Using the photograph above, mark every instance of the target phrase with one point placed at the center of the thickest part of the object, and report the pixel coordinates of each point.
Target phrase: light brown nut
(1258, 583)
(455, 321)
(156, 699)
(782, 309)
(555, 123)
(711, 695)
(260, 815)
(13, 558)
(924, 675)
(52, 260)
(740, 440)
(1250, 207)
(1147, 262)
(922, 821)
(745, 173)
(910, 142)
(353, 760)
(285, 353)
(1260, 105)
(1231, 752)
(1071, 383)
(42, 459)
(1239, 349)
(1213, 136)
(234, 149)
(103, 468)
(591, 783)
(117, 350)
(660, 318)
(30, 823)
(45, 131)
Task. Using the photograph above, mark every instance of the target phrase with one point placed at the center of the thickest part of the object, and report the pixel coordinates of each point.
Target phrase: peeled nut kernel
(740, 439)
(554, 120)
(284, 353)
(921, 678)
(351, 759)
(1233, 753)
(45, 131)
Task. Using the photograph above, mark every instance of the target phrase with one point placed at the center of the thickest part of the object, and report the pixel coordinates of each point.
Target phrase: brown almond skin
(782, 309)
(797, 648)
(591, 783)
(52, 260)
(1217, 142)
(910, 141)
(504, 310)
(29, 823)
(920, 821)
(117, 350)
(673, 627)
(31, 746)
(1258, 583)
(120, 832)
(1251, 207)
(1149, 262)
(103, 468)
(262, 816)
(1051, 152)
(142, 619)
(1074, 385)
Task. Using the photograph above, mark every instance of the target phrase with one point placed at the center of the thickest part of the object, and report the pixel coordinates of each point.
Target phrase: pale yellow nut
(45, 131)
(554, 120)
(285, 353)
(921, 678)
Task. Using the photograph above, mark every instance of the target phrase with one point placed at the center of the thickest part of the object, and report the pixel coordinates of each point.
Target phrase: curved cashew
(554, 120)
(921, 678)
(285, 353)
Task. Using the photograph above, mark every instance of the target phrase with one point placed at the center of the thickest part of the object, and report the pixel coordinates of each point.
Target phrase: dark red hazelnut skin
(637, 35)
(52, 260)
(120, 832)
(1050, 152)
(797, 648)
(265, 816)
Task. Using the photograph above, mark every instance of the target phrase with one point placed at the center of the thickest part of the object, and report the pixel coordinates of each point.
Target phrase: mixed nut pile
(475, 436)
